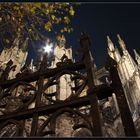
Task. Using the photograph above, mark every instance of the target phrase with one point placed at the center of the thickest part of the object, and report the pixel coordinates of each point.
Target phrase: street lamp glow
(48, 48)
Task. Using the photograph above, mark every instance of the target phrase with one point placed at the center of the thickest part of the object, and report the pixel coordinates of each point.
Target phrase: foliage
(32, 20)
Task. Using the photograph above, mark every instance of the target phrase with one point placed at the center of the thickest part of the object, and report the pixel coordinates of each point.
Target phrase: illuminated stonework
(17, 55)
(129, 73)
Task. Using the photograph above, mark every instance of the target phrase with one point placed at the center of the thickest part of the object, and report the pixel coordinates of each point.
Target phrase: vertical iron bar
(38, 99)
(40, 83)
(22, 122)
(85, 43)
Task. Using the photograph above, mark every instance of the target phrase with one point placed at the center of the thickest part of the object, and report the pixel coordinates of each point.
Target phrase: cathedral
(129, 73)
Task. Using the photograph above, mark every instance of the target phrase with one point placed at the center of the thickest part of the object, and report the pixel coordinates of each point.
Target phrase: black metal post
(85, 44)
(40, 84)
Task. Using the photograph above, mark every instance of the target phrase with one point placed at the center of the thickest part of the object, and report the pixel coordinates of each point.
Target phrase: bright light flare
(48, 48)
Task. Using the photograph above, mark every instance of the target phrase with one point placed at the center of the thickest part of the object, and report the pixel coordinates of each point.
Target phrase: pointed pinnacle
(119, 37)
(109, 40)
(121, 43)
(135, 53)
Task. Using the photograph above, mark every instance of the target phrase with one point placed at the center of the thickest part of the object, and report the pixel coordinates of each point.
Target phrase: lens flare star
(48, 48)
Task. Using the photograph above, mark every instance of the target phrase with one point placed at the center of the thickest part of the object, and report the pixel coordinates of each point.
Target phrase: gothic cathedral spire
(110, 44)
(121, 43)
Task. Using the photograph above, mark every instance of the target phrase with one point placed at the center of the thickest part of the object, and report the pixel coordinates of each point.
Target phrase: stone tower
(60, 50)
(16, 54)
(64, 82)
(64, 122)
(128, 71)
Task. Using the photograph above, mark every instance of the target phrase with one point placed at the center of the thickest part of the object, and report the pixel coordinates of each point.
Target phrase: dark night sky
(103, 19)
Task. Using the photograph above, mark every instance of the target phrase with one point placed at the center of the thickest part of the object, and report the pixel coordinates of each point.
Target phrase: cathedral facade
(129, 72)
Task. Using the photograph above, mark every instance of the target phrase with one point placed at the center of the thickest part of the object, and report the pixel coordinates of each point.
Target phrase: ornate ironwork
(28, 108)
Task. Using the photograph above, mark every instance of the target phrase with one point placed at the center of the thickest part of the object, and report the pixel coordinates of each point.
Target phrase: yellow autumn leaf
(56, 21)
(53, 17)
(47, 11)
(46, 5)
(69, 30)
(67, 3)
(65, 29)
(71, 11)
(17, 8)
(33, 10)
(61, 30)
(66, 20)
(48, 26)
(38, 5)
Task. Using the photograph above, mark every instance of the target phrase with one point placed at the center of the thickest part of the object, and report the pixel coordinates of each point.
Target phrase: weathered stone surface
(64, 126)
